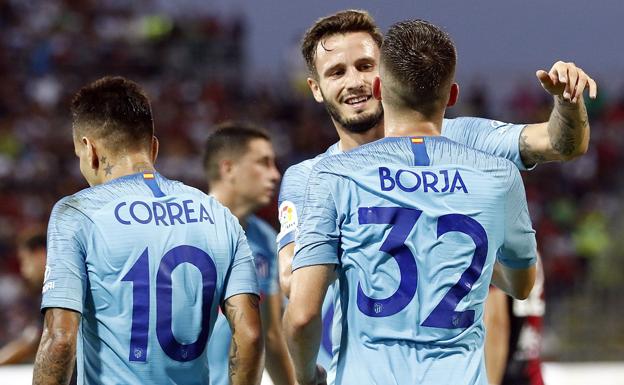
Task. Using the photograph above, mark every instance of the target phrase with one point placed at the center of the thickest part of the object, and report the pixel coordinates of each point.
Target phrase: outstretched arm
(566, 134)
(247, 348)
(57, 351)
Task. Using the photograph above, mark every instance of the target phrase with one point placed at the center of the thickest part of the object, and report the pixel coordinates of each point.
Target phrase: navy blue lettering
(123, 222)
(458, 183)
(147, 208)
(188, 211)
(203, 215)
(384, 175)
(403, 187)
(172, 216)
(429, 184)
(446, 180)
(159, 217)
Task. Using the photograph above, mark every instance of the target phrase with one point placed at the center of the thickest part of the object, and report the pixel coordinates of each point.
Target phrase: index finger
(593, 88)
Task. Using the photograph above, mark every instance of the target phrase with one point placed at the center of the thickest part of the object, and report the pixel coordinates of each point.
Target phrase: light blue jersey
(261, 238)
(491, 136)
(146, 261)
(414, 225)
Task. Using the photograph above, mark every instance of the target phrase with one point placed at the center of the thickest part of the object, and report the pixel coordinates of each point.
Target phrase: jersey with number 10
(415, 225)
(146, 261)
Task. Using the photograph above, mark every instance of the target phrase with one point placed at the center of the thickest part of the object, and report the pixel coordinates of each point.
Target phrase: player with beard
(342, 55)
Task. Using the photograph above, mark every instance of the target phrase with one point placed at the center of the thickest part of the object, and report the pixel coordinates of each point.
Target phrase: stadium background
(206, 61)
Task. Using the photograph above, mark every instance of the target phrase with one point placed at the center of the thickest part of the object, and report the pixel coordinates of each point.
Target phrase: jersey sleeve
(291, 203)
(241, 278)
(318, 233)
(274, 287)
(519, 248)
(65, 280)
(491, 136)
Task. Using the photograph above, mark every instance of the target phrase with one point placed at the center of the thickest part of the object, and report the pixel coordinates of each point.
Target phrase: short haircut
(339, 23)
(115, 110)
(417, 65)
(228, 140)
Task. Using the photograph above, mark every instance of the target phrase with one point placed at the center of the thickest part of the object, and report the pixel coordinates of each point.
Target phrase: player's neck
(230, 199)
(412, 123)
(118, 167)
(350, 140)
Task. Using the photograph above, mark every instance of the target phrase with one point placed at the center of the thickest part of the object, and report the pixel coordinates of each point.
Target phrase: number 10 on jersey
(140, 278)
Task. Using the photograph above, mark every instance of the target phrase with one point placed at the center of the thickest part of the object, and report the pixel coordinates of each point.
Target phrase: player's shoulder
(386, 150)
(444, 151)
(301, 170)
(466, 122)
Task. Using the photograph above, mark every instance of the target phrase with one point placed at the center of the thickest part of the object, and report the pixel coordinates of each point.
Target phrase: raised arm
(247, 348)
(302, 320)
(565, 135)
(57, 351)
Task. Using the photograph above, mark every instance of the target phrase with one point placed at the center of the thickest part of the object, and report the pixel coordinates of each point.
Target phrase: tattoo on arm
(566, 127)
(57, 350)
(235, 314)
(529, 155)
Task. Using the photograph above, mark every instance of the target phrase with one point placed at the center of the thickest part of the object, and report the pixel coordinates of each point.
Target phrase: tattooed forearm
(530, 156)
(55, 361)
(246, 350)
(567, 127)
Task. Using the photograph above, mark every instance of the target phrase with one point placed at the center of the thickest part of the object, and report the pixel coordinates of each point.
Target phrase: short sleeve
(490, 136)
(519, 248)
(241, 277)
(318, 233)
(290, 203)
(65, 280)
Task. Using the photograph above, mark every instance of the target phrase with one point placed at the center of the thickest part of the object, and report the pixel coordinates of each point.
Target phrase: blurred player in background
(31, 251)
(411, 225)
(239, 162)
(342, 55)
(138, 264)
(514, 335)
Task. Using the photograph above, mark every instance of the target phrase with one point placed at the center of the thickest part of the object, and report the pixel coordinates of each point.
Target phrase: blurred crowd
(193, 67)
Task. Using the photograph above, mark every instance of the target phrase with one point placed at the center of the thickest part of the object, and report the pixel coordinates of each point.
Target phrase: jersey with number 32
(415, 225)
(146, 261)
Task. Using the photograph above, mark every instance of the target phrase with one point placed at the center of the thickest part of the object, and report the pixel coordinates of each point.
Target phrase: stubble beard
(359, 124)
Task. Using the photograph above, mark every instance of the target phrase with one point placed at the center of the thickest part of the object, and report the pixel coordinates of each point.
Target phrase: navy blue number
(326, 336)
(444, 314)
(139, 276)
(402, 221)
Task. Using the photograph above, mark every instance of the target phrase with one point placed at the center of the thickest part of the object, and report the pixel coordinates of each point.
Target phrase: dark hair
(116, 110)
(339, 23)
(417, 64)
(229, 139)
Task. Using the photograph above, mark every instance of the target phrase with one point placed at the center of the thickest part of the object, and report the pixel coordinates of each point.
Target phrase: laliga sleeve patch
(288, 219)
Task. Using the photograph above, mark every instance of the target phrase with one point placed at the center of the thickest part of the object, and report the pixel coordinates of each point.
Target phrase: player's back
(158, 257)
(420, 221)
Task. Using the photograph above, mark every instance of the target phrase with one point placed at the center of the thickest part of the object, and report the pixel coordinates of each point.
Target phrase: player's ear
(454, 95)
(155, 146)
(226, 167)
(377, 88)
(92, 153)
(316, 90)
